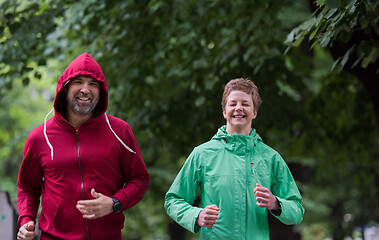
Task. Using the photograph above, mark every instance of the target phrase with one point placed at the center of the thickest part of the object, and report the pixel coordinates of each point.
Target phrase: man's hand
(26, 231)
(95, 208)
(265, 199)
(208, 216)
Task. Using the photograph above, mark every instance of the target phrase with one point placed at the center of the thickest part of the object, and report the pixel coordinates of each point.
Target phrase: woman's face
(239, 112)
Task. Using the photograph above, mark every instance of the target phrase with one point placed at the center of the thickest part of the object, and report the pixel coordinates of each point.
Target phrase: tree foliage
(166, 63)
(350, 30)
(341, 21)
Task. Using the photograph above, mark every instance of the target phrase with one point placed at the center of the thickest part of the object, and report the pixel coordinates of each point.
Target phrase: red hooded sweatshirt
(62, 164)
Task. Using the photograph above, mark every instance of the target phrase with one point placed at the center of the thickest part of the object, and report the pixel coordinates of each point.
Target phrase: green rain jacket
(226, 169)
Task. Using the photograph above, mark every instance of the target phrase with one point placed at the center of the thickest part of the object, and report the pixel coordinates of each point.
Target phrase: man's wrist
(25, 219)
(117, 205)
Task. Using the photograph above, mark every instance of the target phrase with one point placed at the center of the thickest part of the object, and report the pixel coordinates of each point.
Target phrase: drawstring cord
(51, 146)
(47, 139)
(128, 148)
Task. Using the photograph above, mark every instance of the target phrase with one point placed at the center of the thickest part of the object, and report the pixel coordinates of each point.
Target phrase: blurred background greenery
(166, 63)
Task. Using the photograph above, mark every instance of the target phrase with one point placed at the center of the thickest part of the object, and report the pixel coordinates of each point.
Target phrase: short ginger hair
(243, 85)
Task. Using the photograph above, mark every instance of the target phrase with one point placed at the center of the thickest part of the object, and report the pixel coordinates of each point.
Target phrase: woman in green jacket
(240, 178)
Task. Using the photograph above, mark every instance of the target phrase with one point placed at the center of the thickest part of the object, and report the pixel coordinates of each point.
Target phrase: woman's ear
(255, 114)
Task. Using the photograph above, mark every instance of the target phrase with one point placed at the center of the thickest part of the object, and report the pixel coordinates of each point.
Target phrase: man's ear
(65, 86)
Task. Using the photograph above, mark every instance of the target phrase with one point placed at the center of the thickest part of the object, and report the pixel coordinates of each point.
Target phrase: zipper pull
(252, 165)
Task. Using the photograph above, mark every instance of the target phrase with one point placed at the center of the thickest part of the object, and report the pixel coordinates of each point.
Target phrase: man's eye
(95, 84)
(76, 82)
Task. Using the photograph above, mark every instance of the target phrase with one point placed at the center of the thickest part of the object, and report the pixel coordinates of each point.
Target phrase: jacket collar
(237, 142)
(66, 125)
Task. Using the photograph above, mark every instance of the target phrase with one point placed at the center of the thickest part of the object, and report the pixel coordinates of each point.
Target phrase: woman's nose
(238, 106)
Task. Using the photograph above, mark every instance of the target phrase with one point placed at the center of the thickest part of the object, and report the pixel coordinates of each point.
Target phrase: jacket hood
(223, 135)
(83, 65)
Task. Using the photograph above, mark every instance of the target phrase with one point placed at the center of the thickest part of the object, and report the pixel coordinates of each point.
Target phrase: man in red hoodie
(84, 164)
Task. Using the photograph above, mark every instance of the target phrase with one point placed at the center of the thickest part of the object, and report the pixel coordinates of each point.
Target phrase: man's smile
(84, 99)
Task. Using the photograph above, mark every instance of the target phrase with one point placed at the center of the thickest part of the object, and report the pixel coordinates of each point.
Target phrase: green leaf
(319, 24)
(371, 58)
(42, 8)
(200, 63)
(320, 3)
(291, 37)
(330, 13)
(298, 41)
(199, 101)
(335, 63)
(333, 4)
(351, 6)
(346, 56)
(325, 39)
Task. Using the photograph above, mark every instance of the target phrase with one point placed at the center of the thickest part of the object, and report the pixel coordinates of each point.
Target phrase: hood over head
(83, 65)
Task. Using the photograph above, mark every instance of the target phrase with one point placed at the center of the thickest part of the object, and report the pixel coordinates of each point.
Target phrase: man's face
(239, 112)
(83, 94)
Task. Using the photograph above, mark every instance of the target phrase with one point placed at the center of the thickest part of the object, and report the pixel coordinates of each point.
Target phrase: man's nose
(85, 89)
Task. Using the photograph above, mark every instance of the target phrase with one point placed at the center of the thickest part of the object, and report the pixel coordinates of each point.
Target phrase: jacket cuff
(278, 212)
(24, 219)
(123, 199)
(196, 227)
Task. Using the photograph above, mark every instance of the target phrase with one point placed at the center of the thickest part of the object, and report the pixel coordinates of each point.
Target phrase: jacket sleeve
(182, 194)
(285, 190)
(29, 183)
(136, 176)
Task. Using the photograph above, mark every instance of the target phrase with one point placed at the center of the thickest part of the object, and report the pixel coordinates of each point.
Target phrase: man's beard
(82, 109)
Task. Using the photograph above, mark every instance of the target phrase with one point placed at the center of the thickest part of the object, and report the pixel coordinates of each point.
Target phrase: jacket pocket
(262, 171)
(68, 219)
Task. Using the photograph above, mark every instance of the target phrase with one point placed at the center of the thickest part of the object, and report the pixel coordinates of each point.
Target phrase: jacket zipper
(252, 164)
(81, 177)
